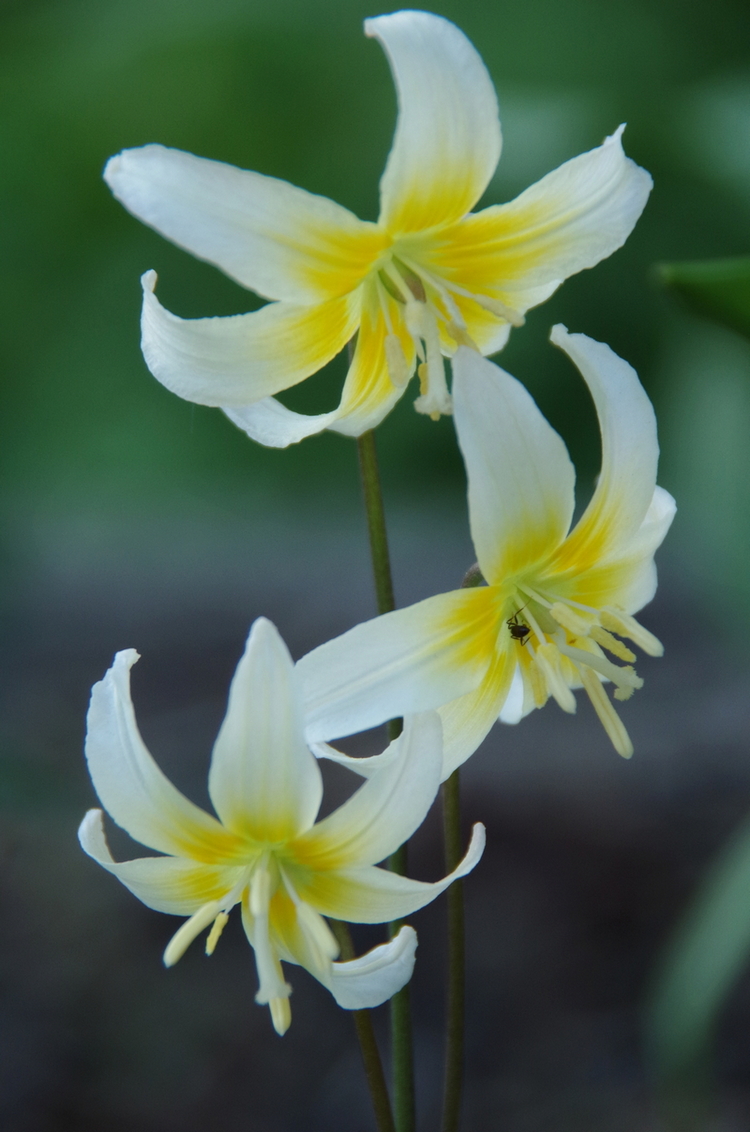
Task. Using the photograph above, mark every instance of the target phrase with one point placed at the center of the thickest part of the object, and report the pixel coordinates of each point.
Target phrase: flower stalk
(402, 1047)
(454, 1027)
(381, 1102)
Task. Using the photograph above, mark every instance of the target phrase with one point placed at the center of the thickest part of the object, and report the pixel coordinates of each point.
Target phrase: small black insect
(518, 631)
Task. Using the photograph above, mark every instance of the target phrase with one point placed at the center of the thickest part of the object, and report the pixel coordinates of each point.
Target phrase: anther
(215, 934)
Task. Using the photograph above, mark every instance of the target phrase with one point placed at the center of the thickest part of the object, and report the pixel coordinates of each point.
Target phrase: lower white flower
(266, 852)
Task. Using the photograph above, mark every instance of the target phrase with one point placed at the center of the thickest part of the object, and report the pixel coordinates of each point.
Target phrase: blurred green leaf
(699, 966)
(715, 288)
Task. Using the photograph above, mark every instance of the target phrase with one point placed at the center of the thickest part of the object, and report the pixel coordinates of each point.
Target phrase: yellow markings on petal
(627, 626)
(369, 390)
(214, 935)
(609, 718)
(472, 628)
(184, 936)
(342, 259)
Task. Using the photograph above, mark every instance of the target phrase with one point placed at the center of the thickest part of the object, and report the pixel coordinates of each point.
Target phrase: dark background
(131, 518)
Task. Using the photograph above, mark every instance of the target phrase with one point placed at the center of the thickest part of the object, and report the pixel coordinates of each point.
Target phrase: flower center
(564, 645)
(429, 310)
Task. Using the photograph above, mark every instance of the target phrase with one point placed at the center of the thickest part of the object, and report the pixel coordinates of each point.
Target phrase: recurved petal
(521, 480)
(130, 785)
(387, 809)
(447, 139)
(365, 982)
(408, 661)
(168, 884)
(278, 240)
(264, 782)
(570, 220)
(468, 719)
(369, 895)
(367, 397)
(242, 358)
(630, 453)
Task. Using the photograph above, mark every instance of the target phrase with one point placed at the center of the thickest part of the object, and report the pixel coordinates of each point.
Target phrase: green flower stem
(454, 1028)
(381, 1102)
(402, 1053)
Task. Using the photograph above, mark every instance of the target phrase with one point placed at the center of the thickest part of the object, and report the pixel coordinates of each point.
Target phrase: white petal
(570, 220)
(369, 895)
(447, 139)
(364, 767)
(512, 709)
(635, 571)
(630, 450)
(168, 884)
(404, 662)
(264, 782)
(365, 982)
(245, 357)
(521, 480)
(278, 240)
(388, 808)
(129, 783)
(368, 395)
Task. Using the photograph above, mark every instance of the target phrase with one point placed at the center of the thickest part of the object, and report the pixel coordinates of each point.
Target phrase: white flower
(427, 277)
(266, 852)
(556, 600)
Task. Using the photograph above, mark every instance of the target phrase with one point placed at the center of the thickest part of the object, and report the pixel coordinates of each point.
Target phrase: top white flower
(428, 277)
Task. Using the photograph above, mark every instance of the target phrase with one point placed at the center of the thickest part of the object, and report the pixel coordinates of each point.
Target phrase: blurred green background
(133, 518)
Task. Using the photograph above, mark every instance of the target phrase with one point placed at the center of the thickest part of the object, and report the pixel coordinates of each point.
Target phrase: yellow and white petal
(628, 581)
(264, 782)
(276, 239)
(519, 252)
(365, 767)
(370, 895)
(167, 884)
(132, 788)
(468, 719)
(368, 396)
(408, 661)
(373, 978)
(242, 358)
(447, 140)
(387, 809)
(521, 480)
(630, 453)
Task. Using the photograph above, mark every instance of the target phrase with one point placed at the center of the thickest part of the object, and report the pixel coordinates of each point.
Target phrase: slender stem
(402, 1054)
(454, 1029)
(368, 1045)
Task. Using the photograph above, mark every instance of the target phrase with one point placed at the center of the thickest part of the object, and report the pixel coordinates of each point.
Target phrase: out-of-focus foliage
(716, 288)
(700, 966)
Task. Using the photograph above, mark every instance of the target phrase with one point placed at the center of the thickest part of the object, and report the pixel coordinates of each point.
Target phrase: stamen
(548, 659)
(627, 626)
(390, 287)
(533, 595)
(536, 680)
(396, 288)
(529, 616)
(281, 1014)
(395, 358)
(411, 279)
(461, 336)
(611, 644)
(570, 620)
(608, 717)
(435, 399)
(623, 676)
(184, 936)
(214, 935)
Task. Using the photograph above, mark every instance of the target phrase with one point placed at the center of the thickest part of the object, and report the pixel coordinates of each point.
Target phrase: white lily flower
(427, 277)
(556, 601)
(266, 852)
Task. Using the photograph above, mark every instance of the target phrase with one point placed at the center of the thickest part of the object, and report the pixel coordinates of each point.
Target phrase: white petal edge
(388, 808)
(167, 884)
(398, 664)
(268, 235)
(630, 449)
(264, 783)
(130, 786)
(241, 358)
(521, 479)
(369, 980)
(447, 140)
